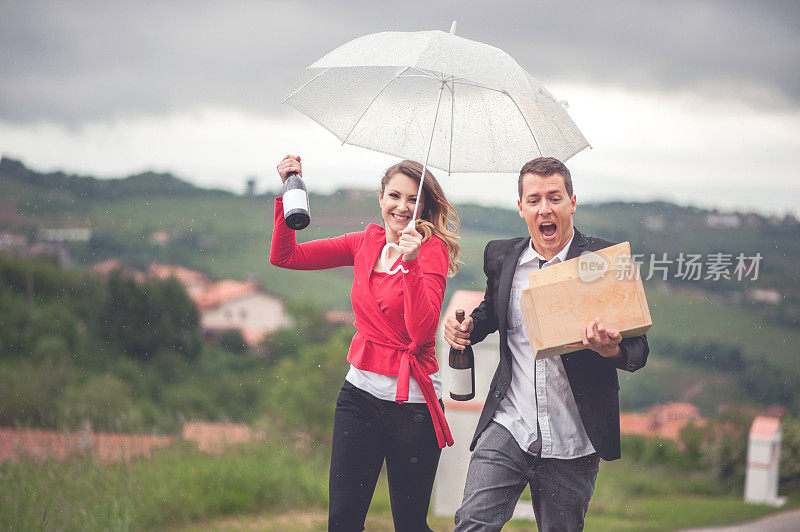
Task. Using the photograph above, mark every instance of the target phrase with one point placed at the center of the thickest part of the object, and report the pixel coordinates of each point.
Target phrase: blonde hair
(438, 216)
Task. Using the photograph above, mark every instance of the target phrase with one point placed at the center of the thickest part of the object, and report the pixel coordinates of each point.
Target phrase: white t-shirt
(385, 387)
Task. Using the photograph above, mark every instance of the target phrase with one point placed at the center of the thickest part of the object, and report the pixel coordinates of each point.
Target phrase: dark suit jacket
(593, 378)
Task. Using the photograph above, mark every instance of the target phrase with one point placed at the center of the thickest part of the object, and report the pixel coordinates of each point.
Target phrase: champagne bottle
(462, 369)
(295, 202)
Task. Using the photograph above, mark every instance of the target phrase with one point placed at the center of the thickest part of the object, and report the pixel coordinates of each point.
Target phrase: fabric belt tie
(409, 365)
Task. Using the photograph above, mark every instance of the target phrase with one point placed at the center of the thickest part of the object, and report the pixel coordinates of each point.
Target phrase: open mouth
(400, 218)
(548, 229)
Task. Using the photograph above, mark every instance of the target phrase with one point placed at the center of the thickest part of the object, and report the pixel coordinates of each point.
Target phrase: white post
(763, 462)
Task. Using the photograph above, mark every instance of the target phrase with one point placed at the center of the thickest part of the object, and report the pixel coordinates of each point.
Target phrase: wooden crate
(565, 296)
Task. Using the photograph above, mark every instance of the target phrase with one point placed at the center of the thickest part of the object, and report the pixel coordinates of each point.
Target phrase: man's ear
(574, 204)
(519, 207)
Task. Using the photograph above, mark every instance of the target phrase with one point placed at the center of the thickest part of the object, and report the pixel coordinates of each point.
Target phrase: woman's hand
(289, 164)
(410, 241)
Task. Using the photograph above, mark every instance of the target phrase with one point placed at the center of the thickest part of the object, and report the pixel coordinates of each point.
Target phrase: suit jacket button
(497, 394)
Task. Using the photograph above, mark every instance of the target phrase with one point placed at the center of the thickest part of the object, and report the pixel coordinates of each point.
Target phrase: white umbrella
(463, 105)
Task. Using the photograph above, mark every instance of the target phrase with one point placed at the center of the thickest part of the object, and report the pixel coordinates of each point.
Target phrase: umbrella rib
(533, 135)
(473, 84)
(423, 72)
(304, 85)
(452, 119)
(373, 101)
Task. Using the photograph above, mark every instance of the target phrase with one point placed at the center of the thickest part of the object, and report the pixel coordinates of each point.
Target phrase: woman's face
(397, 203)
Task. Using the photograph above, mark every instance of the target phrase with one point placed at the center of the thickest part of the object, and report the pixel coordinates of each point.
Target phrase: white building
(239, 305)
(228, 304)
(74, 234)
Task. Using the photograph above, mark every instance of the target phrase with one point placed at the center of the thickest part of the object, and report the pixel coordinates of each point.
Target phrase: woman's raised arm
(423, 290)
(314, 255)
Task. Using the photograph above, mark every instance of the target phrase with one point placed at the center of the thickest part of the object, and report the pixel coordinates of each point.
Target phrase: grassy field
(626, 498)
(282, 486)
(685, 317)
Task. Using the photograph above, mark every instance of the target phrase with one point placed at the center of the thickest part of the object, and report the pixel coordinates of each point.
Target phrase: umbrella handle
(385, 252)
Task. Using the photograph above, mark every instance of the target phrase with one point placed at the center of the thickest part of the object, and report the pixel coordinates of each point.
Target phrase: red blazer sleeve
(423, 290)
(314, 255)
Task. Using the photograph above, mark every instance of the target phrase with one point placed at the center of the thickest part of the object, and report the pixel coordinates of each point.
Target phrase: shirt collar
(529, 254)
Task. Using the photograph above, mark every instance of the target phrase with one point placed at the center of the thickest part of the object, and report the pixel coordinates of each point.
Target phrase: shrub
(103, 401)
(303, 388)
(233, 341)
(790, 456)
(29, 394)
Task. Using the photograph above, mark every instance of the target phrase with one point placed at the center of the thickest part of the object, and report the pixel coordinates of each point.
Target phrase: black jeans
(367, 430)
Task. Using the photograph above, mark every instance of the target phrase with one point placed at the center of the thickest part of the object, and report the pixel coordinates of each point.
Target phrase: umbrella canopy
(381, 92)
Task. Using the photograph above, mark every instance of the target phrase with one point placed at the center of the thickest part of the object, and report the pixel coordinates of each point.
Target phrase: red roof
(221, 292)
(185, 276)
(110, 265)
(765, 427)
(664, 421)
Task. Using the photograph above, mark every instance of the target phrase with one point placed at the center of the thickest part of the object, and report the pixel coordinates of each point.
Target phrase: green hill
(226, 235)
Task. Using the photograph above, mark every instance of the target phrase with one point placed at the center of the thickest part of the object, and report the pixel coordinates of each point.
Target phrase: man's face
(547, 210)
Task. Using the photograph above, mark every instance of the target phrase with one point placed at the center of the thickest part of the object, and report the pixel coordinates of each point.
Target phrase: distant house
(723, 221)
(655, 223)
(765, 295)
(126, 270)
(160, 237)
(75, 234)
(51, 249)
(344, 317)
(230, 304)
(193, 281)
(13, 241)
(223, 305)
(753, 219)
(661, 421)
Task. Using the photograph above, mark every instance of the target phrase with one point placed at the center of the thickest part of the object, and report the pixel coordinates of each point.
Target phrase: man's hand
(457, 334)
(604, 342)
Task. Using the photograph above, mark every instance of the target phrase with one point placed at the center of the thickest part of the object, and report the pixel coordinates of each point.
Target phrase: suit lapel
(578, 245)
(506, 279)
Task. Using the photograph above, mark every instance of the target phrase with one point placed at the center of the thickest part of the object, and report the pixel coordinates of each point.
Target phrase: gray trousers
(498, 473)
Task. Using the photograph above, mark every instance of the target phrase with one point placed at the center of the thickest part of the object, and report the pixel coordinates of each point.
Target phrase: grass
(283, 487)
(178, 485)
(697, 318)
(627, 497)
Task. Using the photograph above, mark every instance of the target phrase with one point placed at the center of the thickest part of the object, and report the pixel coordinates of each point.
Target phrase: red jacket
(396, 316)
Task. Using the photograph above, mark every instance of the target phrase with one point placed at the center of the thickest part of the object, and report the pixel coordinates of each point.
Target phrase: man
(545, 423)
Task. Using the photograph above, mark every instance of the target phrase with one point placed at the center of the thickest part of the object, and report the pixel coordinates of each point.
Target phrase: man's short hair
(545, 167)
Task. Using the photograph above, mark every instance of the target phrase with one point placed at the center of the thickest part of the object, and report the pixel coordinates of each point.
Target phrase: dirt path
(782, 522)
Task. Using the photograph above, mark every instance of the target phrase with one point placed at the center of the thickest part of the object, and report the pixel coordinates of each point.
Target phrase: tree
(141, 319)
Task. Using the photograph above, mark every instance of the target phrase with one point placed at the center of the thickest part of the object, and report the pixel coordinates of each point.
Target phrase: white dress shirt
(539, 392)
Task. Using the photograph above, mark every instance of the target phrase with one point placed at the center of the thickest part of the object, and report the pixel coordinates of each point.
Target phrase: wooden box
(565, 296)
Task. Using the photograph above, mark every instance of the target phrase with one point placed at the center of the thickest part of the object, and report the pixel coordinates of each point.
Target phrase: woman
(390, 406)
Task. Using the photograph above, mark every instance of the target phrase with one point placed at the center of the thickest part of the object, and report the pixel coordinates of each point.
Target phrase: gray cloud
(74, 61)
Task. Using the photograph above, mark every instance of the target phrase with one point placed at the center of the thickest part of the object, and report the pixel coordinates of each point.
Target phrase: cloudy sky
(696, 102)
